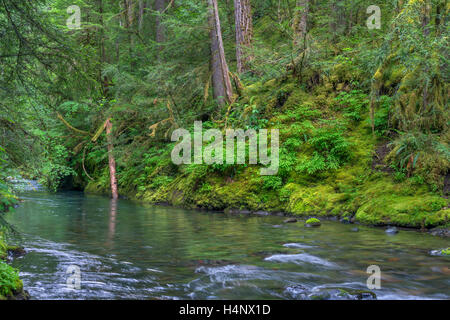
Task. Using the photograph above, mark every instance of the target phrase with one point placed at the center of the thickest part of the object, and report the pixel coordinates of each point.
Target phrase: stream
(127, 250)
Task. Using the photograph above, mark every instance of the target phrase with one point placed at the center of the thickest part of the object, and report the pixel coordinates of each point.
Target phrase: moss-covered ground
(329, 165)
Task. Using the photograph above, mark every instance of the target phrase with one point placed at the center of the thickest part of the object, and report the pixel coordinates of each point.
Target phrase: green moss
(3, 248)
(313, 222)
(309, 119)
(385, 202)
(319, 200)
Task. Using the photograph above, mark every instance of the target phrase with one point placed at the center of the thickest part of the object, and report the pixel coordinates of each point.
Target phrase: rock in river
(392, 230)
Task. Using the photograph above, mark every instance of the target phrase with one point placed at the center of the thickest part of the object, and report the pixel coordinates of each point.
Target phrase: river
(127, 250)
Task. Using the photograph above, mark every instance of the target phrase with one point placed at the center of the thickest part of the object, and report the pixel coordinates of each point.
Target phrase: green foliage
(330, 151)
(9, 280)
(354, 104)
(56, 168)
(382, 114)
(315, 92)
(272, 182)
(424, 154)
(160, 181)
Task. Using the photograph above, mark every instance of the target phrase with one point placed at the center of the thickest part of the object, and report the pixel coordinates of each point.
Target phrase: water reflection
(162, 252)
(112, 221)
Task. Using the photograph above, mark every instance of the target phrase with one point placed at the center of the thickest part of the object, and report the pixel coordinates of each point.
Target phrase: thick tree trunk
(300, 24)
(222, 90)
(244, 34)
(112, 160)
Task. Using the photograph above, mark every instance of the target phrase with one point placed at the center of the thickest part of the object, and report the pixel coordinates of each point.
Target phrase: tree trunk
(160, 32)
(426, 17)
(300, 24)
(141, 14)
(102, 52)
(244, 34)
(438, 18)
(112, 160)
(128, 19)
(333, 20)
(222, 90)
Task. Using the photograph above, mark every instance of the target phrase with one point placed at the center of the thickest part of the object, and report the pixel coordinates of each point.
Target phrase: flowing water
(126, 250)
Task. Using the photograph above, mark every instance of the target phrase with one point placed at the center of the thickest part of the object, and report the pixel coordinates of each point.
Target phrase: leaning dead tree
(107, 125)
(221, 84)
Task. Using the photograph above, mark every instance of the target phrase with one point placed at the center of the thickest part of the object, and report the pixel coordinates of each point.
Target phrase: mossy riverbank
(331, 165)
(11, 286)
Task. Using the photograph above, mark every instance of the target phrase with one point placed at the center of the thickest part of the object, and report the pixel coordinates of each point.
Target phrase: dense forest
(91, 92)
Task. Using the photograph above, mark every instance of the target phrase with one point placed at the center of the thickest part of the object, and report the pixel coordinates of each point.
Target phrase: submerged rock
(261, 213)
(342, 294)
(236, 211)
(354, 230)
(392, 230)
(441, 252)
(345, 220)
(298, 292)
(20, 295)
(296, 246)
(301, 258)
(441, 232)
(290, 220)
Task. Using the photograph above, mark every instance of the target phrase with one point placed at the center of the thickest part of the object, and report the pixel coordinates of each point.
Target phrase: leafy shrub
(56, 168)
(381, 117)
(330, 151)
(355, 104)
(9, 280)
(272, 182)
(160, 181)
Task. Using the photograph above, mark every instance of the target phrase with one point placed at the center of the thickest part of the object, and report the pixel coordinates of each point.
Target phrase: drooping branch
(68, 125)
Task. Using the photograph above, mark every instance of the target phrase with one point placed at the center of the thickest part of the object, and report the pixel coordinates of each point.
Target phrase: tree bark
(222, 90)
(426, 17)
(128, 19)
(160, 32)
(141, 14)
(300, 24)
(333, 19)
(244, 34)
(102, 52)
(112, 160)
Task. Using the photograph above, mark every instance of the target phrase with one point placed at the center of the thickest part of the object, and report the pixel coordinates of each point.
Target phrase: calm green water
(130, 251)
